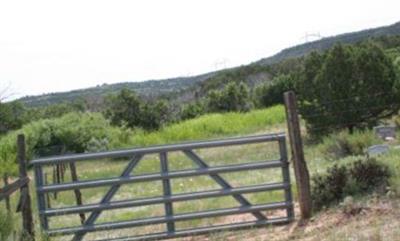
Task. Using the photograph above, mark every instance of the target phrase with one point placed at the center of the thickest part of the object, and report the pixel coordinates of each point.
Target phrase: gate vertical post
(299, 164)
(25, 203)
(41, 199)
(167, 191)
(286, 177)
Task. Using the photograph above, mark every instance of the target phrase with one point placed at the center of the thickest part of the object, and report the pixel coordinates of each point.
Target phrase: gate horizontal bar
(161, 148)
(159, 176)
(164, 219)
(162, 199)
(204, 230)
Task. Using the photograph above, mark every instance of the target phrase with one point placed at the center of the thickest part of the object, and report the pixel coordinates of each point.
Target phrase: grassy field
(319, 157)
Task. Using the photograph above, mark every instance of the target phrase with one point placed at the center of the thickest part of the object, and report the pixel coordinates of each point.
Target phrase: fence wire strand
(355, 97)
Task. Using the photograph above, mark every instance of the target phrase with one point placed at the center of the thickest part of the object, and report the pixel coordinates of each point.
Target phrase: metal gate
(168, 198)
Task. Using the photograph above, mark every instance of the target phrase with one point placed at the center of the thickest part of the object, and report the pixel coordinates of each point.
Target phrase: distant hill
(185, 88)
(325, 43)
(147, 89)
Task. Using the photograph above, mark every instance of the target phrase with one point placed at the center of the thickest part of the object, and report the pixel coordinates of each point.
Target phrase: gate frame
(168, 199)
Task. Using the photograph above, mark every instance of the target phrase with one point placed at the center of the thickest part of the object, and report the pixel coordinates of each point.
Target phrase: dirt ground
(371, 220)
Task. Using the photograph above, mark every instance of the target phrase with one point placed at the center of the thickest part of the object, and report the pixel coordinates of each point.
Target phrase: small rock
(377, 150)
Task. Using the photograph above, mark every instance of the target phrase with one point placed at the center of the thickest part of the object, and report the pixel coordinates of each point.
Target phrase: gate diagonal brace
(109, 195)
(222, 182)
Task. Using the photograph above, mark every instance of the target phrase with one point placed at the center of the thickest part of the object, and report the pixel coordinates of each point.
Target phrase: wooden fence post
(78, 194)
(25, 201)
(299, 164)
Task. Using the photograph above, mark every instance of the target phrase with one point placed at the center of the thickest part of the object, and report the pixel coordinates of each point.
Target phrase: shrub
(192, 110)
(329, 187)
(342, 144)
(71, 133)
(369, 174)
(338, 182)
(233, 97)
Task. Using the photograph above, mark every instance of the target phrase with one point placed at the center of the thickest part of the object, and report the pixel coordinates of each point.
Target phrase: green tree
(192, 110)
(124, 108)
(127, 109)
(347, 87)
(271, 93)
(233, 97)
(153, 116)
(12, 116)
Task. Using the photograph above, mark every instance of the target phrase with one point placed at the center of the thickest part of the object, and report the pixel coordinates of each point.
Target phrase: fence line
(354, 97)
(347, 111)
(21, 185)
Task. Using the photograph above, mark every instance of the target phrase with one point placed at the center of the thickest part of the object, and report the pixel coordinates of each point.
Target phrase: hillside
(150, 88)
(186, 87)
(325, 43)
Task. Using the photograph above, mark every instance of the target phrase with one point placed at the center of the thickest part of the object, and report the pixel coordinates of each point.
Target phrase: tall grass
(6, 225)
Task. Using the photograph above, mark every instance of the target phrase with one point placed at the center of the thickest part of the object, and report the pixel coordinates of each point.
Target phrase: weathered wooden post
(299, 164)
(25, 201)
(78, 194)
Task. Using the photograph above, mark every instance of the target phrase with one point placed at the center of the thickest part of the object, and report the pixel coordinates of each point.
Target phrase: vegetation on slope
(186, 87)
(326, 43)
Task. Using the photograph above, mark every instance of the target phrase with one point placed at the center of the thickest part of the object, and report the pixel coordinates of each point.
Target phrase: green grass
(212, 126)
(318, 156)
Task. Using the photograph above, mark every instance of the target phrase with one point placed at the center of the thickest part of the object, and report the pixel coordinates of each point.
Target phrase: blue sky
(51, 46)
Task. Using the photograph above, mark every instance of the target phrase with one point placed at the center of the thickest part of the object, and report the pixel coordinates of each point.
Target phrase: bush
(369, 174)
(342, 144)
(329, 187)
(71, 133)
(233, 97)
(338, 182)
(192, 110)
